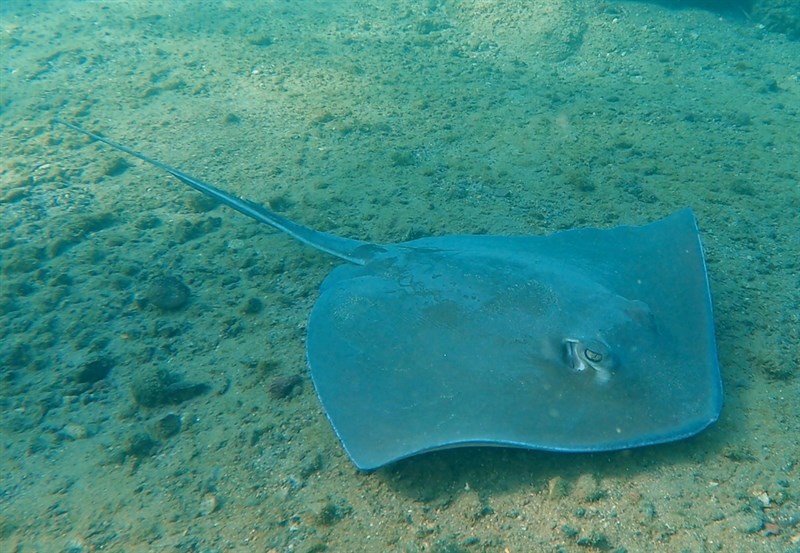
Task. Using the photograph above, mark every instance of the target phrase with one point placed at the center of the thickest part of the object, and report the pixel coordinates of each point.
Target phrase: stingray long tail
(354, 251)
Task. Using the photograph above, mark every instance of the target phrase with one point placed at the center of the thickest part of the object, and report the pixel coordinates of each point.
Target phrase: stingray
(584, 340)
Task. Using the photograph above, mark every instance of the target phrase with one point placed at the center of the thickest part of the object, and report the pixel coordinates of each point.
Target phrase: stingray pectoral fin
(464, 340)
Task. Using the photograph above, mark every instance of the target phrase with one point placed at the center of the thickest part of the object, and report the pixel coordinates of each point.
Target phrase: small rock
(94, 370)
(156, 386)
(557, 488)
(140, 445)
(168, 293)
(252, 306)
(200, 203)
(167, 426)
(208, 504)
(118, 166)
(772, 529)
(282, 387)
(73, 431)
(329, 513)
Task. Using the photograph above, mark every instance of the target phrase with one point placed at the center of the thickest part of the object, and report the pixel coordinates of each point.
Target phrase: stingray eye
(589, 354)
(593, 356)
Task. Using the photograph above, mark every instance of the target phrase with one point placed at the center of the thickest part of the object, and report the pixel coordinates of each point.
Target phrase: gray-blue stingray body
(583, 340)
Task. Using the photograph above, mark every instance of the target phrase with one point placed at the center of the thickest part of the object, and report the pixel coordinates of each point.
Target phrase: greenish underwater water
(153, 385)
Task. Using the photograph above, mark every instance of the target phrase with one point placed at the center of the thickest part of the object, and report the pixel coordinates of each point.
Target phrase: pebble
(95, 370)
(167, 426)
(208, 504)
(281, 387)
(73, 431)
(168, 293)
